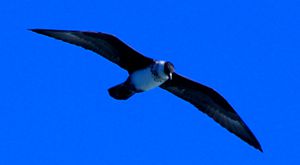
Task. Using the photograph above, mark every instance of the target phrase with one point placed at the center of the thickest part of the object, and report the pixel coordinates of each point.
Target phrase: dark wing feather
(105, 45)
(213, 104)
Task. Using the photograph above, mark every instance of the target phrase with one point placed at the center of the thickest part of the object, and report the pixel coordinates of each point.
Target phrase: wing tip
(250, 138)
(34, 30)
(258, 147)
(41, 31)
(252, 141)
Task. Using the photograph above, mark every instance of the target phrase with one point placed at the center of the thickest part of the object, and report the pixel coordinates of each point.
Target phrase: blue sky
(55, 108)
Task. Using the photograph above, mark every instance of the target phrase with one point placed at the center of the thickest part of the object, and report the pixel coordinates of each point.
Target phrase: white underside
(144, 80)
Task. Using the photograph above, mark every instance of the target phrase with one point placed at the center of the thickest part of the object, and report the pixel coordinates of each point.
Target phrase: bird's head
(169, 69)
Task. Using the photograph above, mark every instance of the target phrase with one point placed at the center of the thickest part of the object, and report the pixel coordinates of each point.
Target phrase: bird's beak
(170, 76)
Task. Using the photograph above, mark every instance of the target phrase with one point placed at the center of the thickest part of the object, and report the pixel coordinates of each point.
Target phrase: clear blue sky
(55, 108)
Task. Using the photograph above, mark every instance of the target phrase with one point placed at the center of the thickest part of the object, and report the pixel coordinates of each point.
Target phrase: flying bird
(146, 73)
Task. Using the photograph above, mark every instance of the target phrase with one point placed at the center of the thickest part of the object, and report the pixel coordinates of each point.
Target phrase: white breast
(145, 80)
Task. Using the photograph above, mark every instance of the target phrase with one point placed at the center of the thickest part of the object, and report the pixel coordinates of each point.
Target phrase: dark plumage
(202, 97)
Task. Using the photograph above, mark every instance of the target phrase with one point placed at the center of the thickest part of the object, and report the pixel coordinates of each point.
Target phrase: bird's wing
(103, 44)
(213, 104)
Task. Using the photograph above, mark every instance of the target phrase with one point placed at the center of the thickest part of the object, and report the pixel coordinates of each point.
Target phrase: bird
(145, 73)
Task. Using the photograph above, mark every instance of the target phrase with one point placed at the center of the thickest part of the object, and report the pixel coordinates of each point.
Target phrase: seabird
(146, 73)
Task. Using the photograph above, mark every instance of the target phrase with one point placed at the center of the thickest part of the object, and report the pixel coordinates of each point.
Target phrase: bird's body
(146, 73)
(149, 77)
(142, 80)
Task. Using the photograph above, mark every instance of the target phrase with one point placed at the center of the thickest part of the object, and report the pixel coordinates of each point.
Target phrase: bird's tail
(121, 91)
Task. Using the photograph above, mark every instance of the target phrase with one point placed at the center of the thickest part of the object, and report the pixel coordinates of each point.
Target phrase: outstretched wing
(213, 104)
(105, 45)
